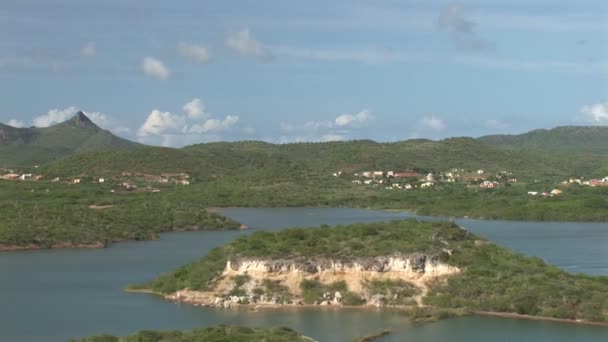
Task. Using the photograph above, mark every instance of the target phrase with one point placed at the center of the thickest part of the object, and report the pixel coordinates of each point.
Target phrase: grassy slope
(566, 139)
(492, 278)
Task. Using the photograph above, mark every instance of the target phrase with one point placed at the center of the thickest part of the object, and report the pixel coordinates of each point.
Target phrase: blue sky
(182, 72)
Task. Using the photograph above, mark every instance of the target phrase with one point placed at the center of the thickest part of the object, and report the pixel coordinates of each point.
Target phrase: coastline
(98, 245)
(402, 309)
(59, 245)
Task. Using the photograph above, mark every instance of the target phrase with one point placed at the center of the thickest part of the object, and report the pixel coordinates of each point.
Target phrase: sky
(175, 73)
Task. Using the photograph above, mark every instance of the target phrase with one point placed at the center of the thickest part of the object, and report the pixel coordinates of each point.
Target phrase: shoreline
(404, 309)
(60, 245)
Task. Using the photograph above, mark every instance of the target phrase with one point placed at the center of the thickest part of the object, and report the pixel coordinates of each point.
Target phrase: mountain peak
(83, 121)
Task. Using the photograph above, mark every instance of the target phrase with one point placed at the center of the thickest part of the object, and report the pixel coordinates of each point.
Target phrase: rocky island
(435, 268)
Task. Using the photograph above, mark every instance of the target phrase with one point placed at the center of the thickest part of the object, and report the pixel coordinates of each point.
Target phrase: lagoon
(53, 295)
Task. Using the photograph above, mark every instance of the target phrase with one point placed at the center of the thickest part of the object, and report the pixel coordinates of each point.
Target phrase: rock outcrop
(243, 280)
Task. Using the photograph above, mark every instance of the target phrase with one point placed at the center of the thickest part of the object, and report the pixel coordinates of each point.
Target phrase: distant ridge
(34, 145)
(584, 139)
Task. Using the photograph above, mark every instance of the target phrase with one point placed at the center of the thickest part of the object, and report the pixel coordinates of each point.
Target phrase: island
(428, 269)
(220, 333)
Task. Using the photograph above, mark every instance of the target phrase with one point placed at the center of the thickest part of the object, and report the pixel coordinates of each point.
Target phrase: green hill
(30, 146)
(259, 160)
(591, 139)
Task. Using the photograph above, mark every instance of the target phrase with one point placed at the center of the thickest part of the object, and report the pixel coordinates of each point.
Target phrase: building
(427, 185)
(11, 176)
(76, 180)
(101, 180)
(487, 185)
(378, 173)
(480, 172)
(532, 193)
(556, 192)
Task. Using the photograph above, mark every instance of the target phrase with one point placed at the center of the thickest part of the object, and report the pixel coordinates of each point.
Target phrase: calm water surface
(55, 295)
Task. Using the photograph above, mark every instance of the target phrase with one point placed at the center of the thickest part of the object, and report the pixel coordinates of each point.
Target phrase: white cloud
(245, 44)
(286, 127)
(195, 109)
(16, 123)
(353, 120)
(89, 50)
(596, 114)
(215, 125)
(194, 52)
(432, 123)
(155, 68)
(121, 130)
(193, 126)
(161, 123)
(54, 116)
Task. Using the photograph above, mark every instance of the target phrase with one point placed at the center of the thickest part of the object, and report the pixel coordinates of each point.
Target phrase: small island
(429, 269)
(218, 333)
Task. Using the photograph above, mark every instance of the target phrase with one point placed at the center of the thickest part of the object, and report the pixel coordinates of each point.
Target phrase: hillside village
(412, 180)
(127, 181)
(408, 180)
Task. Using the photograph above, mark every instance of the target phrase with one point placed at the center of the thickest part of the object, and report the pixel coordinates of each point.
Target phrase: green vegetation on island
(478, 275)
(47, 215)
(220, 333)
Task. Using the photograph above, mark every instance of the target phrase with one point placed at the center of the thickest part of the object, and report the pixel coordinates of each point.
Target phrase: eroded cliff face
(416, 270)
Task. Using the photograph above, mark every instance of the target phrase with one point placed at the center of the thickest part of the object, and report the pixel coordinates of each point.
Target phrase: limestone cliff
(279, 281)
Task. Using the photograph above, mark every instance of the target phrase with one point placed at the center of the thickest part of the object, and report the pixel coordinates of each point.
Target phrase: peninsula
(426, 268)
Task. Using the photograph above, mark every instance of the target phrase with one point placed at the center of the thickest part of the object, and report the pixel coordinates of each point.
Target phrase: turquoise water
(58, 294)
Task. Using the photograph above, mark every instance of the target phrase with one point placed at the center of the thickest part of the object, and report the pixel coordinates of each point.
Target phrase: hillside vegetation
(69, 215)
(219, 333)
(263, 160)
(492, 278)
(580, 139)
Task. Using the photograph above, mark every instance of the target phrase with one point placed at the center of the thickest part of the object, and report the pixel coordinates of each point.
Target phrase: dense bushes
(62, 215)
(219, 333)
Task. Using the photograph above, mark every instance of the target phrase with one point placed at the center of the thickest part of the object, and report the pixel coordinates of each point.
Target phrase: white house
(101, 180)
(480, 172)
(427, 184)
(26, 176)
(430, 177)
(532, 193)
(366, 174)
(378, 173)
(390, 174)
(408, 187)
